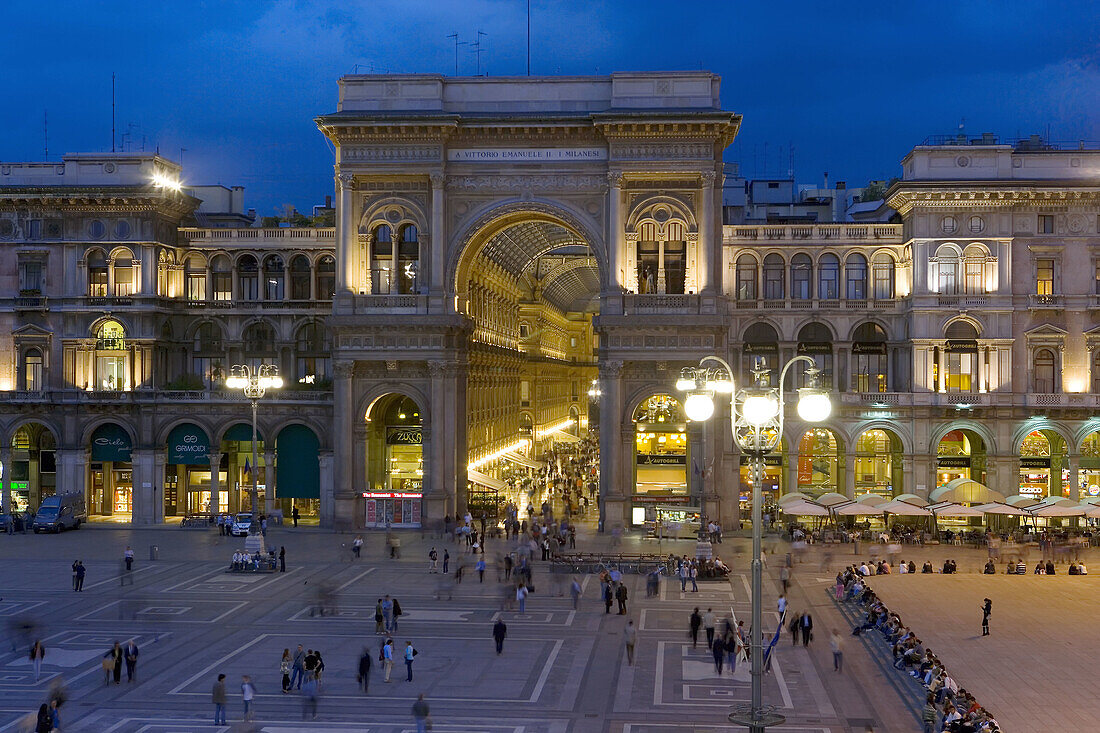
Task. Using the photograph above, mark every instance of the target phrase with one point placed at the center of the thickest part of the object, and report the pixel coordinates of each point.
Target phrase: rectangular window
(675, 267)
(972, 276)
(884, 282)
(773, 283)
(223, 286)
(746, 283)
(828, 286)
(800, 282)
(250, 285)
(1046, 223)
(124, 278)
(33, 373)
(1044, 276)
(196, 286)
(31, 277)
(1096, 277)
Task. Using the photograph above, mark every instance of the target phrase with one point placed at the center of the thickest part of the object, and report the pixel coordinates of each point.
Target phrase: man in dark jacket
(806, 625)
(130, 652)
(695, 623)
(500, 630)
(364, 670)
(620, 596)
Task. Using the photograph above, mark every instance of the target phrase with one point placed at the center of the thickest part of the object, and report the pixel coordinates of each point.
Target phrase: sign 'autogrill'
(496, 155)
(661, 460)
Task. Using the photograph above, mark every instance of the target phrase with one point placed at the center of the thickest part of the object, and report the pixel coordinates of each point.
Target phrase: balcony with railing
(814, 304)
(256, 236)
(156, 396)
(1045, 302)
(822, 233)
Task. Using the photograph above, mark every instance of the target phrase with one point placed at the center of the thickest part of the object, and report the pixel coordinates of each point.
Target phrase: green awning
(188, 445)
(243, 431)
(111, 443)
(297, 468)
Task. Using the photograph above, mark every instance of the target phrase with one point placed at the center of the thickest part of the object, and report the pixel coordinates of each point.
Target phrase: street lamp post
(757, 427)
(254, 382)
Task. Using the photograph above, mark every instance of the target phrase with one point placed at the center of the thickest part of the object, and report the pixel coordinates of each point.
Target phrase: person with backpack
(410, 652)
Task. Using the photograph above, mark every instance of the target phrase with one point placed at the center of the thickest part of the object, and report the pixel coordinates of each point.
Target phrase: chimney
(328, 201)
(841, 185)
(826, 179)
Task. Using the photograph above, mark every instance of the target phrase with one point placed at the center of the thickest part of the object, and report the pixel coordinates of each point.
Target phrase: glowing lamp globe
(759, 409)
(699, 407)
(685, 384)
(814, 406)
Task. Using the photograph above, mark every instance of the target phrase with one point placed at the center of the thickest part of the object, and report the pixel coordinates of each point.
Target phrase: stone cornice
(905, 196)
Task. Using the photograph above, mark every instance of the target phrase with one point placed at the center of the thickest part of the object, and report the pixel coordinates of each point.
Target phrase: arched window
(818, 453)
(259, 343)
(312, 355)
(802, 275)
(773, 277)
(248, 278)
(947, 258)
(382, 261)
(97, 274)
(760, 343)
(111, 360)
(194, 271)
(408, 260)
(855, 275)
(828, 281)
(222, 278)
(883, 276)
(32, 370)
(974, 266)
(326, 278)
(299, 278)
(962, 357)
(746, 277)
(123, 266)
(208, 354)
(870, 359)
(815, 341)
(1046, 381)
(274, 278)
(874, 463)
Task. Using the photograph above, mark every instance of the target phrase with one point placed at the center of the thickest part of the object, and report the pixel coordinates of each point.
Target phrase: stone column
(792, 472)
(612, 478)
(337, 508)
(907, 477)
(347, 271)
(215, 459)
(71, 469)
(616, 235)
(661, 268)
(849, 475)
(160, 460)
(437, 241)
(149, 265)
(5, 463)
(142, 492)
(437, 501)
(269, 478)
(1074, 463)
(706, 263)
(325, 465)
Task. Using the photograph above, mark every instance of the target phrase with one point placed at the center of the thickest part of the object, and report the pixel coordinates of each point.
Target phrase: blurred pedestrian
(128, 557)
(130, 654)
(38, 653)
(248, 694)
(309, 698)
(364, 670)
(630, 637)
(282, 559)
(219, 698)
(81, 571)
(284, 670)
(420, 713)
(500, 630)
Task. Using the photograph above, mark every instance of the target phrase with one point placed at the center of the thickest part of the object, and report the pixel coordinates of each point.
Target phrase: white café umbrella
(903, 508)
(1056, 507)
(803, 508)
(857, 509)
(1021, 501)
(996, 507)
(831, 499)
(792, 496)
(951, 509)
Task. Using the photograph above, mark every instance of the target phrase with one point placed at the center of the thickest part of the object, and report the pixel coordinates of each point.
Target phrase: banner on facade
(871, 348)
(521, 155)
(753, 349)
(961, 346)
(664, 460)
(188, 446)
(814, 348)
(111, 443)
(1035, 462)
(404, 436)
(953, 462)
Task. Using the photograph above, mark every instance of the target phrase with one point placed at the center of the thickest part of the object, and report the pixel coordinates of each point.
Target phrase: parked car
(241, 524)
(58, 513)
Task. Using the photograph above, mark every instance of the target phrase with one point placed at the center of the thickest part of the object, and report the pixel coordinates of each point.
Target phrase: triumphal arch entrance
(505, 247)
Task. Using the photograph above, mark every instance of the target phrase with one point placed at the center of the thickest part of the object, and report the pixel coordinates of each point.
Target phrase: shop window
(817, 462)
(746, 277)
(855, 273)
(874, 463)
(222, 278)
(97, 274)
(326, 277)
(1044, 276)
(248, 278)
(828, 281)
(274, 278)
(773, 277)
(300, 277)
(32, 370)
(1046, 373)
(802, 273)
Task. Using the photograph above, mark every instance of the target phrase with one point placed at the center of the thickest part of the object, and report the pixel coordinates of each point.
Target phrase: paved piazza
(562, 670)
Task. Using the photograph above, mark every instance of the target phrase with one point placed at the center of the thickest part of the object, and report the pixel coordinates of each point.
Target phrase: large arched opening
(33, 467)
(394, 462)
(961, 453)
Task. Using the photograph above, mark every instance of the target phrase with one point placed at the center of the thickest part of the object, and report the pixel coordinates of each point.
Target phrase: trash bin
(154, 552)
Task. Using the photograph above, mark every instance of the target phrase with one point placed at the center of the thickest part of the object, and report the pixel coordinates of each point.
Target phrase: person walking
(806, 625)
(379, 618)
(793, 628)
(718, 650)
(116, 662)
(500, 630)
(364, 670)
(987, 608)
(298, 667)
(521, 597)
(76, 564)
(81, 571)
(730, 642)
(608, 596)
(284, 670)
(685, 573)
(128, 558)
(836, 644)
(130, 654)
(409, 654)
(480, 568)
(282, 559)
(295, 514)
(781, 606)
(433, 561)
(630, 638)
(387, 659)
(309, 698)
(357, 546)
(694, 623)
(38, 653)
(248, 694)
(694, 577)
(620, 596)
(709, 622)
(387, 613)
(785, 577)
(446, 560)
(575, 592)
(44, 722)
(420, 713)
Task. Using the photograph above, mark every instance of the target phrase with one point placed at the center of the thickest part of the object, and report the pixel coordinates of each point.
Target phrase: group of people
(727, 643)
(1041, 568)
(113, 660)
(254, 562)
(947, 706)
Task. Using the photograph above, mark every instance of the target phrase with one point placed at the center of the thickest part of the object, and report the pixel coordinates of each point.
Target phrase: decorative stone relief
(661, 151)
(384, 153)
(564, 183)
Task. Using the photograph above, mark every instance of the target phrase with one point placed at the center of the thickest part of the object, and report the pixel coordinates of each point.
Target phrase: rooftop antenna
(476, 46)
(457, 44)
(182, 151)
(46, 134)
(112, 111)
(528, 37)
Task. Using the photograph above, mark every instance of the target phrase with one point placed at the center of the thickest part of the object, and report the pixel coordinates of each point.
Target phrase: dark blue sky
(851, 86)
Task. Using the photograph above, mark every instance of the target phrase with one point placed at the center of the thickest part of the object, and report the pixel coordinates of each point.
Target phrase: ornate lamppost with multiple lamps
(254, 382)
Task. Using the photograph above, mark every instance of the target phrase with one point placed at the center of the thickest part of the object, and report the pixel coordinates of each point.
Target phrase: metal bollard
(154, 552)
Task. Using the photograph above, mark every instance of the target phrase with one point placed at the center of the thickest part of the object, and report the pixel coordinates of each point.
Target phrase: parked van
(58, 513)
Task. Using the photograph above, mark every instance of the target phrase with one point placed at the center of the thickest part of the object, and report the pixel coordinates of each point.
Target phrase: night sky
(850, 86)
